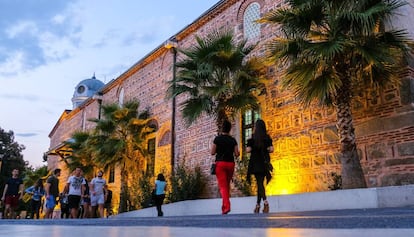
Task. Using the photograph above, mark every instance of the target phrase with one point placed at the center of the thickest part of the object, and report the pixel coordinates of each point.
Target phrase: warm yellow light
(169, 44)
(284, 192)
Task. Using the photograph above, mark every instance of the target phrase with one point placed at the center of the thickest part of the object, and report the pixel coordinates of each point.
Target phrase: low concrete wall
(394, 196)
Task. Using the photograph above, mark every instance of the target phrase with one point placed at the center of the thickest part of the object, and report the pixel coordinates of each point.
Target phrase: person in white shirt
(75, 187)
(97, 191)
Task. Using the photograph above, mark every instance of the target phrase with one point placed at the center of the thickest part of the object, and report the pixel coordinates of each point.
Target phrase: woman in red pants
(225, 148)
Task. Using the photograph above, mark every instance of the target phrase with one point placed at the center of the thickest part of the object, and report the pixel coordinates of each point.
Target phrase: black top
(225, 148)
(86, 187)
(108, 197)
(13, 186)
(54, 185)
(258, 156)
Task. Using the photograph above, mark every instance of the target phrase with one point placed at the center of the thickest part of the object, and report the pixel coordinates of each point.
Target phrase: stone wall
(305, 139)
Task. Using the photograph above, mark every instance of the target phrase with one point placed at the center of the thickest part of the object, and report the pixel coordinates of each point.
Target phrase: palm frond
(194, 107)
(213, 70)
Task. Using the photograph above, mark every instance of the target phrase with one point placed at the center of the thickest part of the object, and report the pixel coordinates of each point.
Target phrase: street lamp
(171, 44)
(98, 97)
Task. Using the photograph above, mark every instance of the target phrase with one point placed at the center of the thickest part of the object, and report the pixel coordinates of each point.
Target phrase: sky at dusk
(48, 46)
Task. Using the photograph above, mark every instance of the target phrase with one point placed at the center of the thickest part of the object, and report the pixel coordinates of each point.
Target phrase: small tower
(85, 90)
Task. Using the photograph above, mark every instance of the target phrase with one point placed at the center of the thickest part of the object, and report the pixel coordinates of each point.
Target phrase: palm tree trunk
(351, 171)
(123, 195)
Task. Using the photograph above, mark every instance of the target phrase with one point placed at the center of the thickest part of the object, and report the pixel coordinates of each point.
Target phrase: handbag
(153, 195)
(27, 197)
(213, 169)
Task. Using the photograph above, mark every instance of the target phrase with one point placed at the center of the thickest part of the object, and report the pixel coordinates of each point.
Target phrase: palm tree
(217, 78)
(82, 153)
(34, 174)
(330, 47)
(120, 138)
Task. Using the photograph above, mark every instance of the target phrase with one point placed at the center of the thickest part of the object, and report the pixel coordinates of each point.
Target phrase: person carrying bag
(259, 147)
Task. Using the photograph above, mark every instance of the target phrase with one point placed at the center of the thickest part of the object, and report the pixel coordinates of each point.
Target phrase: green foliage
(186, 184)
(34, 174)
(330, 45)
(336, 181)
(11, 156)
(141, 191)
(82, 153)
(121, 135)
(118, 139)
(240, 177)
(217, 77)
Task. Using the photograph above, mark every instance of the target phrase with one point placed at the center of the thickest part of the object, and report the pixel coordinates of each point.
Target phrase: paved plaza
(357, 222)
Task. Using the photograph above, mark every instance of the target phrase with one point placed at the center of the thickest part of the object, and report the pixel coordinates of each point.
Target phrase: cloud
(28, 97)
(58, 19)
(22, 28)
(29, 134)
(56, 48)
(13, 64)
(139, 38)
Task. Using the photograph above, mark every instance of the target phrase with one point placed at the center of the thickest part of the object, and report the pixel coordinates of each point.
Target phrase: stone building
(305, 140)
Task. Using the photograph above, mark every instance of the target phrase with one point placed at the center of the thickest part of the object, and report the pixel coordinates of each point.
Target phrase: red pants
(12, 200)
(224, 173)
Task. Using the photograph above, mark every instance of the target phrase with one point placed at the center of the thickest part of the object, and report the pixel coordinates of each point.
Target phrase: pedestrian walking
(259, 146)
(52, 193)
(86, 201)
(37, 191)
(97, 194)
(225, 148)
(160, 187)
(108, 201)
(75, 188)
(64, 208)
(12, 194)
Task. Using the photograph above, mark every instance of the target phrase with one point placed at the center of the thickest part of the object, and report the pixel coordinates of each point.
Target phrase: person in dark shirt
(52, 192)
(12, 194)
(108, 201)
(260, 145)
(64, 208)
(225, 148)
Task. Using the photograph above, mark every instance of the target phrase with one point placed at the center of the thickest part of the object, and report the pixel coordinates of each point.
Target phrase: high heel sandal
(266, 207)
(257, 208)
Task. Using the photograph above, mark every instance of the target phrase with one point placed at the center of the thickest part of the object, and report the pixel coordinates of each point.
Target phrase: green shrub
(336, 181)
(186, 184)
(140, 192)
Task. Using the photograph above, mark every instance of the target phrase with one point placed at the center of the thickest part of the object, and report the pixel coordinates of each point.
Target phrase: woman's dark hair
(160, 177)
(226, 126)
(260, 133)
(39, 183)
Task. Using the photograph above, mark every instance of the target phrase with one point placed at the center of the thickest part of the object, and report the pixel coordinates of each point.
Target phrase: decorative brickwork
(305, 139)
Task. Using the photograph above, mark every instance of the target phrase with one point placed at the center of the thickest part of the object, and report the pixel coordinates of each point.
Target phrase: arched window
(165, 139)
(121, 98)
(251, 14)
